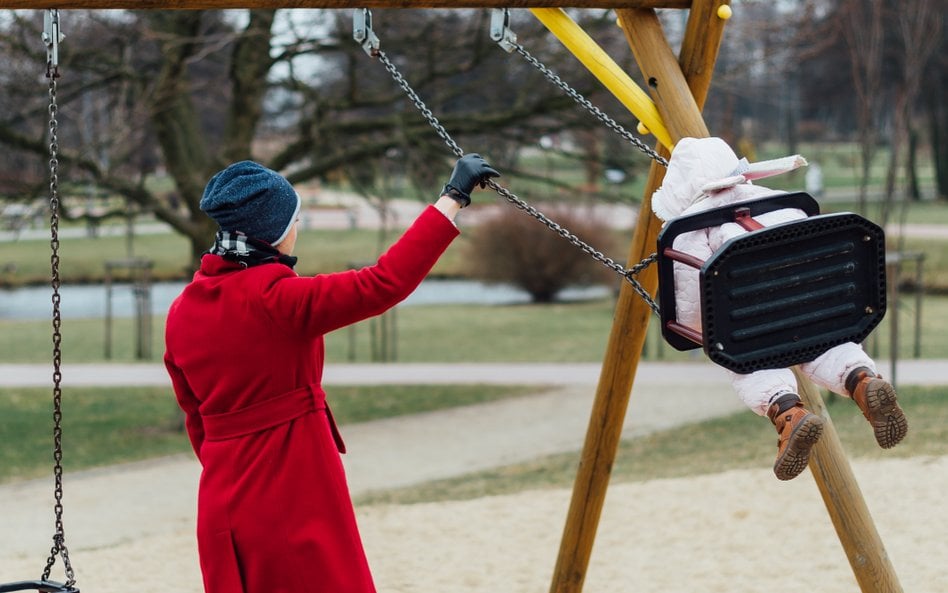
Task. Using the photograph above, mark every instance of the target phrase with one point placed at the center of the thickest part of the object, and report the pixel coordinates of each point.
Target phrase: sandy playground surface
(739, 531)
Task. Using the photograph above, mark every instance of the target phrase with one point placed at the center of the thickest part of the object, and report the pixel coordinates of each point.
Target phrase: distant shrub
(512, 247)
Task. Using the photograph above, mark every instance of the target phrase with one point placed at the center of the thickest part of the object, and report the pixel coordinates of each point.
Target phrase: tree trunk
(896, 141)
(862, 29)
(937, 113)
(914, 192)
(250, 65)
(177, 125)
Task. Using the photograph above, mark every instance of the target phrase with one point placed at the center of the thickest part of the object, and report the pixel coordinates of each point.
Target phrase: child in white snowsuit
(704, 174)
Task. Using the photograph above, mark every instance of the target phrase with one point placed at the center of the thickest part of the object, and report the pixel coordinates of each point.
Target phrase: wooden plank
(623, 352)
(845, 504)
(699, 48)
(663, 75)
(226, 4)
(682, 117)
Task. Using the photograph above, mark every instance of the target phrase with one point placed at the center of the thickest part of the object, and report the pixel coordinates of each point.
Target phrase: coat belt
(271, 413)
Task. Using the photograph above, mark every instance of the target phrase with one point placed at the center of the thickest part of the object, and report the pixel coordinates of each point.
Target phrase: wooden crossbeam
(226, 4)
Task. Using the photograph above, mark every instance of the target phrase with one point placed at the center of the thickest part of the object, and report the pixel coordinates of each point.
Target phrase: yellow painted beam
(604, 68)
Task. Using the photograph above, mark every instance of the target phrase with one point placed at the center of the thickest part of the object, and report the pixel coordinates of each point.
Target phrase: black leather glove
(470, 170)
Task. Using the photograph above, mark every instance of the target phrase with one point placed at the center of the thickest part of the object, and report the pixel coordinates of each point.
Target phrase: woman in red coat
(244, 348)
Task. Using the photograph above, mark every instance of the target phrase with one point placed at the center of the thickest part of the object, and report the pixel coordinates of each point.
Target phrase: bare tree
(183, 93)
(935, 85)
(861, 25)
(918, 29)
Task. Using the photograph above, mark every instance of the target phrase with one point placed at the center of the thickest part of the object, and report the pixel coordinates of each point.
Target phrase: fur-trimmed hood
(701, 167)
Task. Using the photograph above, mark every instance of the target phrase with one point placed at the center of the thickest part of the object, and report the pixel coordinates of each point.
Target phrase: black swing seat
(44, 586)
(779, 295)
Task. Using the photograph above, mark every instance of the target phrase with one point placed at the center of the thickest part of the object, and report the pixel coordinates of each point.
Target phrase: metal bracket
(362, 31)
(51, 38)
(500, 29)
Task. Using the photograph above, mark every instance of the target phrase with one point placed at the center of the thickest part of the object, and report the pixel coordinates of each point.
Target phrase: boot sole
(797, 454)
(884, 414)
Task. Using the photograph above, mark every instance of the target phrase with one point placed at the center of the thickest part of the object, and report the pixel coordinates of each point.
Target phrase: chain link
(586, 104)
(425, 112)
(627, 273)
(59, 537)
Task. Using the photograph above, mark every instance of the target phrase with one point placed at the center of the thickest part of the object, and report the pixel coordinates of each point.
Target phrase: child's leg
(831, 369)
(848, 370)
(773, 393)
(758, 390)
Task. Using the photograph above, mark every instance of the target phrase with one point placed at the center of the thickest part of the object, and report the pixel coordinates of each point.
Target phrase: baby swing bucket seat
(780, 295)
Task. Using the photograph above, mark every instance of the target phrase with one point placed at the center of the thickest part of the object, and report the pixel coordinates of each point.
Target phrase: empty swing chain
(370, 43)
(51, 37)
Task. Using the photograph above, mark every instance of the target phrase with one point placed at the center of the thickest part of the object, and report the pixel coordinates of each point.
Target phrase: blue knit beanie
(256, 201)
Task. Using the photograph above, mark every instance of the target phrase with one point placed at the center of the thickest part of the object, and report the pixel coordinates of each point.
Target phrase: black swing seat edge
(725, 214)
(44, 586)
(812, 335)
(676, 336)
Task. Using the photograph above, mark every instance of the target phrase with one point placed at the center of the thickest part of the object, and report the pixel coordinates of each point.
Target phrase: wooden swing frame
(678, 87)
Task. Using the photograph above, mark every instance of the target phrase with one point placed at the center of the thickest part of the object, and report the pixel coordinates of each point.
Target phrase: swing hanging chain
(419, 104)
(507, 40)
(51, 37)
(627, 273)
(363, 31)
(588, 106)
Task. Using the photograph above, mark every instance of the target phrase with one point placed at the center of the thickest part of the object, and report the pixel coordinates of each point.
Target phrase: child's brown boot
(799, 430)
(877, 400)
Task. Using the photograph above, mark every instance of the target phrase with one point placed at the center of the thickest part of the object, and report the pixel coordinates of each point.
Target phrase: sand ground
(130, 527)
(739, 531)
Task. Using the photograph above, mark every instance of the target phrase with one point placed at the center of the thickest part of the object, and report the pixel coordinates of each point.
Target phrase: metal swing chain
(627, 273)
(51, 37)
(588, 106)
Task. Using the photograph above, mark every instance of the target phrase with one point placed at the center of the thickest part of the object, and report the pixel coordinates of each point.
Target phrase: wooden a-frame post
(630, 322)
(678, 89)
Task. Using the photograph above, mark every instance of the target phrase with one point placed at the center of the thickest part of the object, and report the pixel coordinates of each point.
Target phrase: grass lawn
(83, 259)
(740, 441)
(113, 425)
(561, 332)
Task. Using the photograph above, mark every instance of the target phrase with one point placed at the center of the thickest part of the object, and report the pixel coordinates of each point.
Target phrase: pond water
(88, 301)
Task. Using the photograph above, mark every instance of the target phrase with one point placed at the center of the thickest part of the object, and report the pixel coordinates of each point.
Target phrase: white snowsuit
(703, 174)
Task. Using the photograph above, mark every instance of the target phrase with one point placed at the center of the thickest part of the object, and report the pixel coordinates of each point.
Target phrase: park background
(153, 103)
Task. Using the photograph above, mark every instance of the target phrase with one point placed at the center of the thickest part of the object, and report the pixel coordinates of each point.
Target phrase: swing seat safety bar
(780, 295)
(43, 586)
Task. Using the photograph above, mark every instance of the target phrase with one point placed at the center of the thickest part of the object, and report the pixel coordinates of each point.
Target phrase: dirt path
(112, 505)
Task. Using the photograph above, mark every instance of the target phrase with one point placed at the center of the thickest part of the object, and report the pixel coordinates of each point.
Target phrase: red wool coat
(244, 348)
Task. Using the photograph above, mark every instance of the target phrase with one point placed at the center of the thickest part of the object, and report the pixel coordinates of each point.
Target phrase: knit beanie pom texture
(249, 198)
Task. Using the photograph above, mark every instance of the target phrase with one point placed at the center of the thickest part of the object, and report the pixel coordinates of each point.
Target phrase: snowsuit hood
(702, 167)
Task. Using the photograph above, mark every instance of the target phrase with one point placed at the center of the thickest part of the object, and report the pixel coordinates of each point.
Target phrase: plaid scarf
(247, 251)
